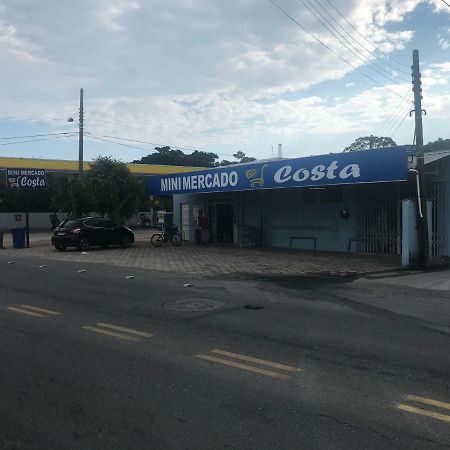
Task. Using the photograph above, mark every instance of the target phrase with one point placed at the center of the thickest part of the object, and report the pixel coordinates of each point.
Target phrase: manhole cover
(194, 305)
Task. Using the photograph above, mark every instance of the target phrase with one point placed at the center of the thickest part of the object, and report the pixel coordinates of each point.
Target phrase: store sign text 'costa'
(25, 178)
(370, 166)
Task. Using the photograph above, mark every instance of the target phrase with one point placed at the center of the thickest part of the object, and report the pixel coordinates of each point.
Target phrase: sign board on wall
(26, 178)
(371, 166)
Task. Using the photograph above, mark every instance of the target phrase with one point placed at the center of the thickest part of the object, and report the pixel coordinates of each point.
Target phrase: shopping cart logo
(13, 182)
(256, 176)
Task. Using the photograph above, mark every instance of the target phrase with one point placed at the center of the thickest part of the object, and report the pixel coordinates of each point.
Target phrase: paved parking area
(205, 259)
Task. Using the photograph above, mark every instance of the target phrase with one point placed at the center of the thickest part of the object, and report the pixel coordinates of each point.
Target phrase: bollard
(1, 240)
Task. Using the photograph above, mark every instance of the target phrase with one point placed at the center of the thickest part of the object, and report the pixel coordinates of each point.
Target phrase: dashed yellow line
(243, 366)
(428, 401)
(126, 330)
(424, 412)
(24, 311)
(257, 360)
(111, 333)
(42, 310)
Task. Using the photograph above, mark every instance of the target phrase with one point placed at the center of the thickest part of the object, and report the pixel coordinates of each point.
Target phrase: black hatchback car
(89, 231)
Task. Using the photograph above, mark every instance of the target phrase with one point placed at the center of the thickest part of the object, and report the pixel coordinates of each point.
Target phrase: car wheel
(60, 247)
(126, 242)
(83, 244)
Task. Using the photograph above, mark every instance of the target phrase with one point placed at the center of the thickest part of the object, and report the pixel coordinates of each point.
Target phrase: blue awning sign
(371, 166)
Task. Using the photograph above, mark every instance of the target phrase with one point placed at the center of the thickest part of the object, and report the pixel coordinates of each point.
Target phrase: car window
(108, 224)
(90, 223)
(71, 224)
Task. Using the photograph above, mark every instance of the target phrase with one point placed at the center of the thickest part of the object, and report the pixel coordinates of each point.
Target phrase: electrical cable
(394, 125)
(332, 51)
(104, 138)
(372, 52)
(170, 135)
(38, 140)
(367, 40)
(393, 116)
(400, 124)
(37, 135)
(362, 58)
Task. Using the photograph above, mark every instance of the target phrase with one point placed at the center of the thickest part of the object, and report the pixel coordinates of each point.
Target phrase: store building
(333, 202)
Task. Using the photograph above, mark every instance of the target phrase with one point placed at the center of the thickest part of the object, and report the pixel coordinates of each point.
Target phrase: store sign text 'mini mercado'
(381, 165)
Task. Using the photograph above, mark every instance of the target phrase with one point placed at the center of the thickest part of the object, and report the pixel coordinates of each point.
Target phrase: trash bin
(18, 236)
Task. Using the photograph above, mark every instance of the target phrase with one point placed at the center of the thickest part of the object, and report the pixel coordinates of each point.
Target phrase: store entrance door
(224, 220)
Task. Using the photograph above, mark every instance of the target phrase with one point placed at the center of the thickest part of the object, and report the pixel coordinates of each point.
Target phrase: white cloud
(194, 71)
(444, 43)
(111, 12)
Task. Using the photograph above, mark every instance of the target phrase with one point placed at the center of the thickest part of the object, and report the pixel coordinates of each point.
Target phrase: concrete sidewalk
(208, 259)
(433, 279)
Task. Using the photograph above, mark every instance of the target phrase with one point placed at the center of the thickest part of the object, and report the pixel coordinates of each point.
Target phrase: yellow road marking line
(111, 333)
(46, 311)
(244, 366)
(257, 361)
(126, 330)
(24, 311)
(428, 401)
(424, 412)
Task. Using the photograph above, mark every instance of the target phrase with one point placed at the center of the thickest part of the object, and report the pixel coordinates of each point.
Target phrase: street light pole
(80, 134)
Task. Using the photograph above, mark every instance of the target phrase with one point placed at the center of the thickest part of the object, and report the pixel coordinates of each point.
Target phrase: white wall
(40, 220)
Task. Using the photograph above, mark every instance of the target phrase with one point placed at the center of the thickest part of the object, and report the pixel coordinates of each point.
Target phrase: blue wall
(286, 214)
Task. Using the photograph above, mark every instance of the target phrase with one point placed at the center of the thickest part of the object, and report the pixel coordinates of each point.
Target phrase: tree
(369, 143)
(114, 191)
(167, 156)
(241, 158)
(439, 144)
(69, 193)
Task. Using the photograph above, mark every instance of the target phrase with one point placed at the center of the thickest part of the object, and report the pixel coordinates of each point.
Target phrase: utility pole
(422, 197)
(80, 134)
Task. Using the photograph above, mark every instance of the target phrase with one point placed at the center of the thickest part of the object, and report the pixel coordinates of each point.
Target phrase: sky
(240, 75)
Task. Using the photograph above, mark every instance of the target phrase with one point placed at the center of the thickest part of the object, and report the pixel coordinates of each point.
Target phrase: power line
(446, 3)
(105, 138)
(332, 51)
(37, 135)
(373, 53)
(394, 126)
(400, 124)
(37, 140)
(156, 130)
(362, 58)
(367, 40)
(393, 116)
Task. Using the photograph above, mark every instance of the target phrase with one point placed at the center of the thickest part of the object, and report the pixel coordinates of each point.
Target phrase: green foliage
(167, 156)
(240, 157)
(369, 143)
(114, 191)
(69, 193)
(439, 144)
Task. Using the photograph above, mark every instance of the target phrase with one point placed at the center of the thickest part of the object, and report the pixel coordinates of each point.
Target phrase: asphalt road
(94, 359)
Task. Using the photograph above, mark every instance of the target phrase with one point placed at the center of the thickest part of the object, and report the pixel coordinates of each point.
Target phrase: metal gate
(379, 222)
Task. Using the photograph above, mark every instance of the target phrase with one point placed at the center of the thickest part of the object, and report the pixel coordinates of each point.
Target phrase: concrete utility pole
(422, 197)
(80, 134)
